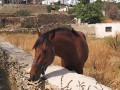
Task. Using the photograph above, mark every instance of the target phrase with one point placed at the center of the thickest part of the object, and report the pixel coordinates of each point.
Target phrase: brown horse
(66, 43)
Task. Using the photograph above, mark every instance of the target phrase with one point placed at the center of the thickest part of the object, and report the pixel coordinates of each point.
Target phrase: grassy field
(103, 63)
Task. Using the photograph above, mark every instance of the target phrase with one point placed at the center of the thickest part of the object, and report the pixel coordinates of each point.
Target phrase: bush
(88, 13)
(52, 7)
(112, 11)
(22, 13)
(57, 3)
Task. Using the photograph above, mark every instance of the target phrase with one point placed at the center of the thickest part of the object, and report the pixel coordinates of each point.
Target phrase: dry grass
(24, 41)
(107, 20)
(103, 63)
(100, 63)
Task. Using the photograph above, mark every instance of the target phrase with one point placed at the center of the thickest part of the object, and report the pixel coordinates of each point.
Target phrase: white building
(0, 1)
(69, 2)
(117, 1)
(106, 1)
(107, 29)
(65, 2)
(96, 0)
(49, 2)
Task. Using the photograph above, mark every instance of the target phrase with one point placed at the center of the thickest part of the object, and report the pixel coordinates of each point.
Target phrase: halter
(43, 68)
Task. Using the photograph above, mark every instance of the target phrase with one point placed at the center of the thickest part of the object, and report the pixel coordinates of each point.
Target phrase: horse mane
(44, 36)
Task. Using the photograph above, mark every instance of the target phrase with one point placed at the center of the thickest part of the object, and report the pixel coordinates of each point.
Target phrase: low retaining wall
(44, 19)
(18, 63)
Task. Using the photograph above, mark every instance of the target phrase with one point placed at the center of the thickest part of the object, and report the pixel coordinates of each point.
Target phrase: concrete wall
(101, 29)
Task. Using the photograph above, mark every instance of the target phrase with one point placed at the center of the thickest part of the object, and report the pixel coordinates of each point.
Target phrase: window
(108, 29)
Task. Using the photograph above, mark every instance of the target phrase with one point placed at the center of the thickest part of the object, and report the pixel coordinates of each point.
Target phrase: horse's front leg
(62, 63)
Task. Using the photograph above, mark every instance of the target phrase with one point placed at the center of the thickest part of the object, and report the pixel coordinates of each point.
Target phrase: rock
(1, 87)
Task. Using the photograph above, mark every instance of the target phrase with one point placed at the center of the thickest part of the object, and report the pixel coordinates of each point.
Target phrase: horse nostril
(34, 78)
(29, 79)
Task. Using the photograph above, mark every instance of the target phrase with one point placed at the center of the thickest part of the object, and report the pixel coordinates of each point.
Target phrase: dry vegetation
(108, 20)
(103, 63)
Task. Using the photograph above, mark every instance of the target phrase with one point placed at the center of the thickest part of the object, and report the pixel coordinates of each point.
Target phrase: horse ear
(39, 33)
(51, 36)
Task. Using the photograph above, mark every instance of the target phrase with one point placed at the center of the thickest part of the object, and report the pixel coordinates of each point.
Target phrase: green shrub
(49, 8)
(57, 8)
(57, 3)
(52, 7)
(22, 13)
(88, 12)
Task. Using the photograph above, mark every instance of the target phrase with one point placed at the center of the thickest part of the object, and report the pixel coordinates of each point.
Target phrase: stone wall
(19, 30)
(10, 21)
(17, 63)
(44, 19)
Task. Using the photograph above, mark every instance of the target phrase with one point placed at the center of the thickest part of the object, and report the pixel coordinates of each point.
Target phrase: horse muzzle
(34, 78)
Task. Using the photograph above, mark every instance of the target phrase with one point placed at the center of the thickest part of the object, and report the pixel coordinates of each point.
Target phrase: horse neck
(65, 48)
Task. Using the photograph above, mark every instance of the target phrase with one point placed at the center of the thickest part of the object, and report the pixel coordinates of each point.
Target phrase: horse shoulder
(81, 34)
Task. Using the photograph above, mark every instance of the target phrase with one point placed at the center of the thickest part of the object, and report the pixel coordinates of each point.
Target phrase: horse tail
(75, 33)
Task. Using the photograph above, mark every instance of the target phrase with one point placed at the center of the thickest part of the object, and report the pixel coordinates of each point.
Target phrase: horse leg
(80, 71)
(62, 63)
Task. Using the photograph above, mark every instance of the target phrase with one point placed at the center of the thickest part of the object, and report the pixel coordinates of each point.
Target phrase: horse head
(44, 55)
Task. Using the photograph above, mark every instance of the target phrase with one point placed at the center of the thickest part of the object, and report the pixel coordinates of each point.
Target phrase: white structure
(0, 1)
(65, 2)
(107, 29)
(117, 1)
(102, 0)
(69, 2)
(49, 2)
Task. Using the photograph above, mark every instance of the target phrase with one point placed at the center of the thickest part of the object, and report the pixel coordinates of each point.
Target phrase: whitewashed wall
(100, 29)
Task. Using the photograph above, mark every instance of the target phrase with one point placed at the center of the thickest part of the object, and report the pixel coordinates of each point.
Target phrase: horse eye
(45, 51)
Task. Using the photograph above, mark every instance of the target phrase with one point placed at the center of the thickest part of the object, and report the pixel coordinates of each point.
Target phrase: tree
(84, 1)
(118, 5)
(88, 13)
(112, 11)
